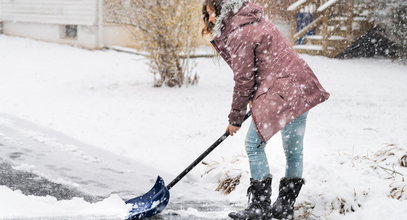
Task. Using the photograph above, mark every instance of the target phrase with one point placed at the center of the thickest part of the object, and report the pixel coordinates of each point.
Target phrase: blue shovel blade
(150, 203)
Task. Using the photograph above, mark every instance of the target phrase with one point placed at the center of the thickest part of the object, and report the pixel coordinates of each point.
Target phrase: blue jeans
(293, 136)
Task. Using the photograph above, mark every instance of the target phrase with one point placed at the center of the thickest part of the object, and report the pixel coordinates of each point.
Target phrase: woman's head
(211, 9)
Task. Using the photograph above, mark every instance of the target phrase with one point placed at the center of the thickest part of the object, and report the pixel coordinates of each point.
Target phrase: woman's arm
(242, 52)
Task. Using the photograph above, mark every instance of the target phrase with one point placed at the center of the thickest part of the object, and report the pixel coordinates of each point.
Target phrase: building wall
(87, 35)
(119, 35)
(1, 19)
(1, 11)
(81, 12)
(47, 19)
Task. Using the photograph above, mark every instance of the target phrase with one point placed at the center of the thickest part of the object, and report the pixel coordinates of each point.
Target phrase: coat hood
(236, 13)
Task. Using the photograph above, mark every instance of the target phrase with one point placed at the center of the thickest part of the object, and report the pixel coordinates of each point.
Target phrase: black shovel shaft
(202, 156)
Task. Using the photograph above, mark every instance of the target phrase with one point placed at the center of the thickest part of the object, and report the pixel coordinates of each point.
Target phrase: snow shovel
(155, 200)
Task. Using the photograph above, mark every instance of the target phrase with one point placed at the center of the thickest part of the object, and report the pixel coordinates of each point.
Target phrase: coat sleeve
(242, 53)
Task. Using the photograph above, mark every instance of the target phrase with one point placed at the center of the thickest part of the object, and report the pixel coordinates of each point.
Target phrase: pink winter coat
(267, 70)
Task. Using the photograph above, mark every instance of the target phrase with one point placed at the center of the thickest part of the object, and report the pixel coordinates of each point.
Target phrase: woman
(281, 88)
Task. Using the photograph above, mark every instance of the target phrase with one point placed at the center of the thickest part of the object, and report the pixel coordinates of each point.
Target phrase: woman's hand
(232, 129)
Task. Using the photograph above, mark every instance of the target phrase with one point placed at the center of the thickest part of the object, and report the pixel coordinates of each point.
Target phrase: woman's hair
(216, 5)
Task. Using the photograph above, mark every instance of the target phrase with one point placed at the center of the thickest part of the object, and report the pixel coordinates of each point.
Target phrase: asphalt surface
(34, 160)
(32, 184)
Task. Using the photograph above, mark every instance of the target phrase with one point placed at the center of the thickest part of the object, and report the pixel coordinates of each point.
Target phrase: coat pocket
(277, 103)
(260, 92)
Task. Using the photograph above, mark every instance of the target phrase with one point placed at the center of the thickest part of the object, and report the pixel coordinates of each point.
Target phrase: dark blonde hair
(216, 5)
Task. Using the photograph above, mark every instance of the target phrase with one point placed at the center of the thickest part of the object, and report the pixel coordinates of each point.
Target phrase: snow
(326, 5)
(359, 18)
(91, 111)
(310, 47)
(295, 5)
(319, 37)
(14, 204)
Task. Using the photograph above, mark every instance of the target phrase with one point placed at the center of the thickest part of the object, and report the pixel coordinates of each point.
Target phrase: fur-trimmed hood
(236, 13)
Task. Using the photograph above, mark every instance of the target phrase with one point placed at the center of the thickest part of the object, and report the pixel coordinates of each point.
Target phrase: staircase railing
(320, 10)
(325, 12)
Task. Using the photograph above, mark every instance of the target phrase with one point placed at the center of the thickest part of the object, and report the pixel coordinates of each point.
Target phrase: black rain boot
(259, 206)
(283, 207)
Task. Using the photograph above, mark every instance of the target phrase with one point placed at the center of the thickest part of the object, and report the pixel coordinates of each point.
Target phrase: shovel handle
(203, 155)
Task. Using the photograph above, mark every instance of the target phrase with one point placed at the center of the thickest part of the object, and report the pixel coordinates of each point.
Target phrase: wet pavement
(62, 159)
(33, 157)
(32, 184)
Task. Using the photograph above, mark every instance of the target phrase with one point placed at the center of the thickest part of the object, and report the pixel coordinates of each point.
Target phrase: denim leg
(259, 167)
(293, 137)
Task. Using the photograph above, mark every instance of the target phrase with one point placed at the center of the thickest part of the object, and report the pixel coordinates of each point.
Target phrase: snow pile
(14, 204)
(390, 163)
(342, 189)
(358, 181)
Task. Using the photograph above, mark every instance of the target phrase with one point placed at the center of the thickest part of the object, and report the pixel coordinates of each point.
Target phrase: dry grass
(304, 209)
(403, 161)
(399, 190)
(228, 184)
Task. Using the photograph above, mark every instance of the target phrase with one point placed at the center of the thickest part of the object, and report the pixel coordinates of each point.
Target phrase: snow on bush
(336, 190)
(344, 195)
(227, 173)
(390, 163)
(399, 190)
(331, 189)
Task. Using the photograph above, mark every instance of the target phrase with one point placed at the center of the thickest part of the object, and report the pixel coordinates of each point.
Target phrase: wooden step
(333, 41)
(356, 28)
(355, 18)
(319, 37)
(358, 21)
(312, 49)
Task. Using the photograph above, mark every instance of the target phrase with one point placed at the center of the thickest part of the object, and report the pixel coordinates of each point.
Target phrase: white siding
(80, 12)
(1, 10)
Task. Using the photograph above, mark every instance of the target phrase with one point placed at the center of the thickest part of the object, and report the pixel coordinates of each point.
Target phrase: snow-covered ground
(92, 120)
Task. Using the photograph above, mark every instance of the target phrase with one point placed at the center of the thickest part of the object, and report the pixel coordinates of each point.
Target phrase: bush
(166, 30)
(392, 16)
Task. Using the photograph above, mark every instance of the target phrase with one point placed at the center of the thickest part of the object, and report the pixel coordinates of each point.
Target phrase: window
(70, 32)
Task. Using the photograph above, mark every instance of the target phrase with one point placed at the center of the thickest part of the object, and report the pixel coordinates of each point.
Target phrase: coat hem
(296, 115)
